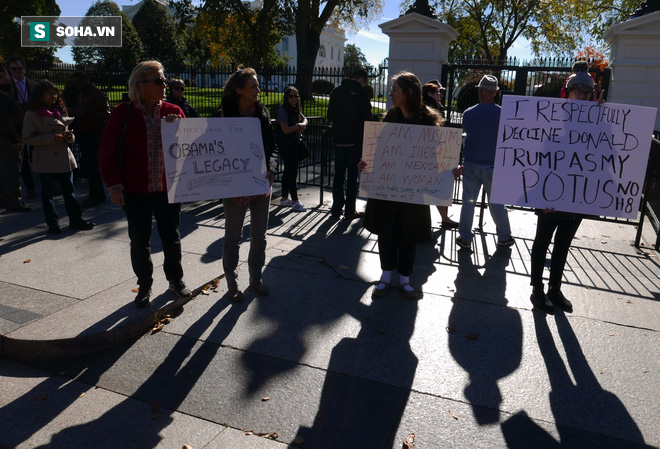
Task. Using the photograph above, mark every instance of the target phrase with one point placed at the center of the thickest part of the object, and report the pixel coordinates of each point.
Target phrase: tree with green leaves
(10, 30)
(355, 59)
(159, 34)
(112, 58)
(489, 28)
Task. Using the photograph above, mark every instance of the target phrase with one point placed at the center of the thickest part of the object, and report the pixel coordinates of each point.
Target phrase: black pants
(394, 256)
(89, 144)
(289, 176)
(545, 228)
(26, 171)
(139, 209)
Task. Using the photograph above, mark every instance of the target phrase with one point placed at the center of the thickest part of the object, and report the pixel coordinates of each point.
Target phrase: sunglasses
(157, 81)
(293, 96)
(179, 88)
(585, 92)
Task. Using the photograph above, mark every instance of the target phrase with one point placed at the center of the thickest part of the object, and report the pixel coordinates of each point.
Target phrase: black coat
(348, 109)
(404, 223)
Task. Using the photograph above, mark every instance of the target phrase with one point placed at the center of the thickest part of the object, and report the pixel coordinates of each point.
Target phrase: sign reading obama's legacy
(211, 158)
(409, 163)
(573, 156)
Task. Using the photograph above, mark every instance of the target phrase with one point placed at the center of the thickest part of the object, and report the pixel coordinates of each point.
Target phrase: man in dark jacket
(10, 148)
(20, 88)
(348, 109)
(177, 87)
(91, 112)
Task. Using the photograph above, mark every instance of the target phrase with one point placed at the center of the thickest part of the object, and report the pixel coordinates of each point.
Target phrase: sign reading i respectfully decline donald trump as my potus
(573, 156)
(212, 158)
(409, 163)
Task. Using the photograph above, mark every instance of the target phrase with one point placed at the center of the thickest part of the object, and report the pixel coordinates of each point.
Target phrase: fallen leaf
(645, 371)
(381, 331)
(81, 395)
(27, 261)
(451, 329)
(155, 407)
(41, 398)
(453, 415)
(249, 432)
(320, 415)
(603, 242)
(606, 236)
(343, 267)
(269, 436)
(187, 446)
(602, 371)
(612, 335)
(409, 442)
(135, 290)
(473, 337)
(298, 440)
(367, 317)
(629, 301)
(156, 415)
(157, 328)
(265, 398)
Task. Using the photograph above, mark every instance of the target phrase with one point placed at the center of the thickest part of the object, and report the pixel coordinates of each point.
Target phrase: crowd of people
(122, 148)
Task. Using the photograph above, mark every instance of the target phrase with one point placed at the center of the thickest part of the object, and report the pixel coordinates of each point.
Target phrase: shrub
(322, 87)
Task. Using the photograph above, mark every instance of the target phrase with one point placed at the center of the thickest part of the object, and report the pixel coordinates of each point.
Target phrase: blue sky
(373, 43)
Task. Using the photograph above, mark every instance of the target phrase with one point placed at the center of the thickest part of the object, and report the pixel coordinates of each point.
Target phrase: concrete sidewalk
(318, 362)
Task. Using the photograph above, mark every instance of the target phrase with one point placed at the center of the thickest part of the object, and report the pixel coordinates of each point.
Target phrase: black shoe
(19, 208)
(142, 298)
(506, 243)
(449, 224)
(82, 225)
(179, 288)
(354, 215)
(54, 229)
(462, 243)
(235, 295)
(541, 301)
(558, 299)
(259, 288)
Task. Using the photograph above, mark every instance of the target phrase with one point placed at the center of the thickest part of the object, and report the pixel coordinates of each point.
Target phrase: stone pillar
(418, 44)
(635, 62)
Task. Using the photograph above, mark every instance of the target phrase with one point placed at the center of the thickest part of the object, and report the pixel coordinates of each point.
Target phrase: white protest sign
(211, 158)
(409, 163)
(572, 156)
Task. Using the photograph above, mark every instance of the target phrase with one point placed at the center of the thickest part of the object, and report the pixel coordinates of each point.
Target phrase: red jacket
(134, 175)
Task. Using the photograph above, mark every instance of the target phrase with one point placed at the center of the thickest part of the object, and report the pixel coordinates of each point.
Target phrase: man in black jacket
(348, 109)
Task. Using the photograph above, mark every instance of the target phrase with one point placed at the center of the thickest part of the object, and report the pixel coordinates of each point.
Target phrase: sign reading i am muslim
(573, 156)
(409, 163)
(212, 158)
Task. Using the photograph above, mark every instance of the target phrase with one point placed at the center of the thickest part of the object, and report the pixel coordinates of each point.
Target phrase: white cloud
(379, 37)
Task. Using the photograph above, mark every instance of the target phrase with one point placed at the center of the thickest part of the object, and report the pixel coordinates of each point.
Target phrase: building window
(322, 52)
(332, 52)
(285, 44)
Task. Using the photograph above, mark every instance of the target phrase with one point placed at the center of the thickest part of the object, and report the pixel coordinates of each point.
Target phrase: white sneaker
(299, 207)
(286, 202)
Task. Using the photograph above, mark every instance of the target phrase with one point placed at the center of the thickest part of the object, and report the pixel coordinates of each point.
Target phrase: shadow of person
(580, 402)
(485, 336)
(369, 377)
(127, 424)
(309, 291)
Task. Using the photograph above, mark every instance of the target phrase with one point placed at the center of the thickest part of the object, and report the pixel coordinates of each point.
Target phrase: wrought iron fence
(204, 85)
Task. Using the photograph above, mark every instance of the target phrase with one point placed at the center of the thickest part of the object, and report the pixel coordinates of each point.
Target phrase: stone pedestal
(635, 62)
(418, 44)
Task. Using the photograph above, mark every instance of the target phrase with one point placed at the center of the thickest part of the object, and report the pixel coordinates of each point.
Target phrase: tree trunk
(308, 41)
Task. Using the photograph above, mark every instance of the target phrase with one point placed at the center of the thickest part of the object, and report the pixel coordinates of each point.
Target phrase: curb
(23, 350)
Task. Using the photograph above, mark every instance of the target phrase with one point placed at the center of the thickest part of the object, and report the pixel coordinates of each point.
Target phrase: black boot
(557, 297)
(540, 300)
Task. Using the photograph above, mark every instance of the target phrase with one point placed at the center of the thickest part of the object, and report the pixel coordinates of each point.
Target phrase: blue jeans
(346, 159)
(65, 180)
(475, 176)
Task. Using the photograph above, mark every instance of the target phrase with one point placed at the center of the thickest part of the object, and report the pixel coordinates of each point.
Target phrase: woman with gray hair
(134, 173)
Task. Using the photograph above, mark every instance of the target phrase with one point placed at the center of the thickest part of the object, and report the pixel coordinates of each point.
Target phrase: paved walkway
(318, 363)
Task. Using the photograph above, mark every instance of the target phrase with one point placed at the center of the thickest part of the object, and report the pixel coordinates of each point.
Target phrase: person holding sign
(134, 173)
(400, 226)
(291, 126)
(564, 225)
(241, 99)
(481, 123)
